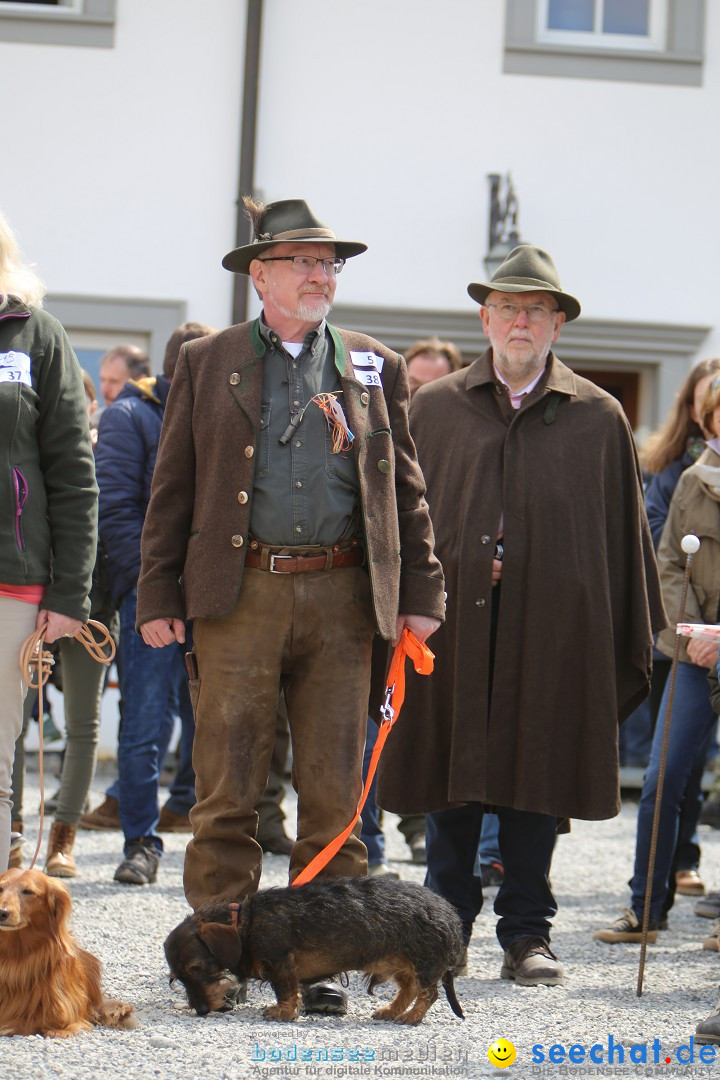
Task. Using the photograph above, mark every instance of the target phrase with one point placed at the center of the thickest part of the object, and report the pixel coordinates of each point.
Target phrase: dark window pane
(626, 17)
(571, 14)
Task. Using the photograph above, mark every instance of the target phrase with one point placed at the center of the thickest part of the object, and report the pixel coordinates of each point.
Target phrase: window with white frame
(615, 24)
(59, 22)
(657, 41)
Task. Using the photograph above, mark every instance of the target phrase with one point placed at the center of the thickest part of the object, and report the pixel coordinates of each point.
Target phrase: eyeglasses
(536, 313)
(305, 264)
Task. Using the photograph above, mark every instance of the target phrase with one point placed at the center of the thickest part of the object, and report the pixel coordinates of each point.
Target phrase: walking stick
(690, 545)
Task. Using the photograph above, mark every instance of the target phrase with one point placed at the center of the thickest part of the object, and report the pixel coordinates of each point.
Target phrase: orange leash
(36, 664)
(422, 659)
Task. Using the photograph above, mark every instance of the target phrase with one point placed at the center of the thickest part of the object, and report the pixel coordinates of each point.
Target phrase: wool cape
(579, 599)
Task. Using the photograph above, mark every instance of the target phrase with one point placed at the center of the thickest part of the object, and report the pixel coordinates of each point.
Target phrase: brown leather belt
(301, 564)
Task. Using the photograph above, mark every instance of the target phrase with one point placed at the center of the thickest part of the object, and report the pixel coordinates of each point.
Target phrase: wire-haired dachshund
(387, 929)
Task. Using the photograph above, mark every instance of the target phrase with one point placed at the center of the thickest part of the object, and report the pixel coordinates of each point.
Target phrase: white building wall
(387, 116)
(124, 160)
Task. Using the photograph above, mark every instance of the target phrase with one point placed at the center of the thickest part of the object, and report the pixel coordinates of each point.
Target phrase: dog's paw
(116, 1014)
(386, 1013)
(283, 1013)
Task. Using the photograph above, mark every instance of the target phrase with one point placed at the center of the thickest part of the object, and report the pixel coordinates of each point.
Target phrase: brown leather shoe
(530, 961)
(60, 862)
(172, 822)
(689, 883)
(104, 816)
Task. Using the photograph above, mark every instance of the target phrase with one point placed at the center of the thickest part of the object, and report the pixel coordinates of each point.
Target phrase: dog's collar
(234, 909)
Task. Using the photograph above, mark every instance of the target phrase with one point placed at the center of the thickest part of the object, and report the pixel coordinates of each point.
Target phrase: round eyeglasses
(305, 264)
(536, 313)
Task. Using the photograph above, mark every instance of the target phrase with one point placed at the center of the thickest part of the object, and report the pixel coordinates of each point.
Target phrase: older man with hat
(537, 504)
(288, 519)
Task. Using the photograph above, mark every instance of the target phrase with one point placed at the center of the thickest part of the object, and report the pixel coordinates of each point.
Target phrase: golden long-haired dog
(48, 984)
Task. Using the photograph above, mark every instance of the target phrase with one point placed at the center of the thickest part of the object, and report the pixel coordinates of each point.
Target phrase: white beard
(308, 313)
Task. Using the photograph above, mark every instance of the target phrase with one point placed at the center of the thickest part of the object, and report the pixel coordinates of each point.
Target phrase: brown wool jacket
(196, 530)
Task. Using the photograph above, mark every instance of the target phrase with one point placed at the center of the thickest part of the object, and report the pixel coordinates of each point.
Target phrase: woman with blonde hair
(48, 495)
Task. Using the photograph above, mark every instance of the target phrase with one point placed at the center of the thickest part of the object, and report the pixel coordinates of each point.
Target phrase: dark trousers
(524, 903)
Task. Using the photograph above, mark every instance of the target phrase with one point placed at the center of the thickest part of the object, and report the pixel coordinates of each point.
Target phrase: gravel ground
(125, 927)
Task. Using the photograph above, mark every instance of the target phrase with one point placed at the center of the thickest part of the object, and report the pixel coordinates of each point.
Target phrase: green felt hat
(526, 269)
(287, 221)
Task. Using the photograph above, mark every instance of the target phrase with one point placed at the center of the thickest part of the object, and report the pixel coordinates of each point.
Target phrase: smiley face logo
(501, 1053)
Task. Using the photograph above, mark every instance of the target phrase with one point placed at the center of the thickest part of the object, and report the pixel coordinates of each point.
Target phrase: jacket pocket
(263, 461)
(21, 493)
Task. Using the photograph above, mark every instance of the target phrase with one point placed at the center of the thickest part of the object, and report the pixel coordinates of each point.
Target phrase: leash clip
(386, 710)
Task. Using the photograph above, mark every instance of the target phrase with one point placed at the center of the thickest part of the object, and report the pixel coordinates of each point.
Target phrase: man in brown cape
(537, 504)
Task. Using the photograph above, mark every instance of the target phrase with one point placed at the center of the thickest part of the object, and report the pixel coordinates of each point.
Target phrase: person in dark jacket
(127, 447)
(48, 495)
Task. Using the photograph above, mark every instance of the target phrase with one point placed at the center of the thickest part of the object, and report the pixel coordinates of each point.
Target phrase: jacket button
(242, 497)
(365, 398)
(480, 603)
(237, 540)
(384, 465)
(234, 379)
(485, 539)
(249, 451)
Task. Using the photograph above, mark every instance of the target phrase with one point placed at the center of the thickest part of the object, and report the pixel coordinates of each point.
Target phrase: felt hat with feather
(287, 221)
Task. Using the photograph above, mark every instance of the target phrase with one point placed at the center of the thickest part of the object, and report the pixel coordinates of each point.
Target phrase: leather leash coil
(36, 664)
(422, 659)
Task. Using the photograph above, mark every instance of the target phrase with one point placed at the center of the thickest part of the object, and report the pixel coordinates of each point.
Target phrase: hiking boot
(104, 816)
(381, 869)
(60, 862)
(15, 859)
(626, 928)
(689, 883)
(418, 850)
(171, 822)
(281, 844)
(530, 961)
(460, 967)
(140, 865)
(709, 906)
(491, 875)
(710, 813)
(708, 1030)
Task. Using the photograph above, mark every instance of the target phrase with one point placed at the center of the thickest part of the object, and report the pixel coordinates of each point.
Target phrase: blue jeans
(181, 798)
(372, 834)
(146, 678)
(488, 851)
(693, 722)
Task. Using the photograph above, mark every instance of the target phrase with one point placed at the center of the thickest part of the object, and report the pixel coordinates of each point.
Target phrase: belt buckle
(273, 559)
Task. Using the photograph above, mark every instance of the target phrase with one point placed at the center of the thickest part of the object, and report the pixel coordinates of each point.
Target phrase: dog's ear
(59, 904)
(223, 942)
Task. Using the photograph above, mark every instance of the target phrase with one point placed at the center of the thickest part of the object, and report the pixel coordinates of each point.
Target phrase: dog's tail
(448, 981)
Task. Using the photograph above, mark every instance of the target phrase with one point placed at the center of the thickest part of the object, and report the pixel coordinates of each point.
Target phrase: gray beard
(521, 369)
(307, 312)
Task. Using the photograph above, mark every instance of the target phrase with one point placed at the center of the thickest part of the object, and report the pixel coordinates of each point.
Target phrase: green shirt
(303, 493)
